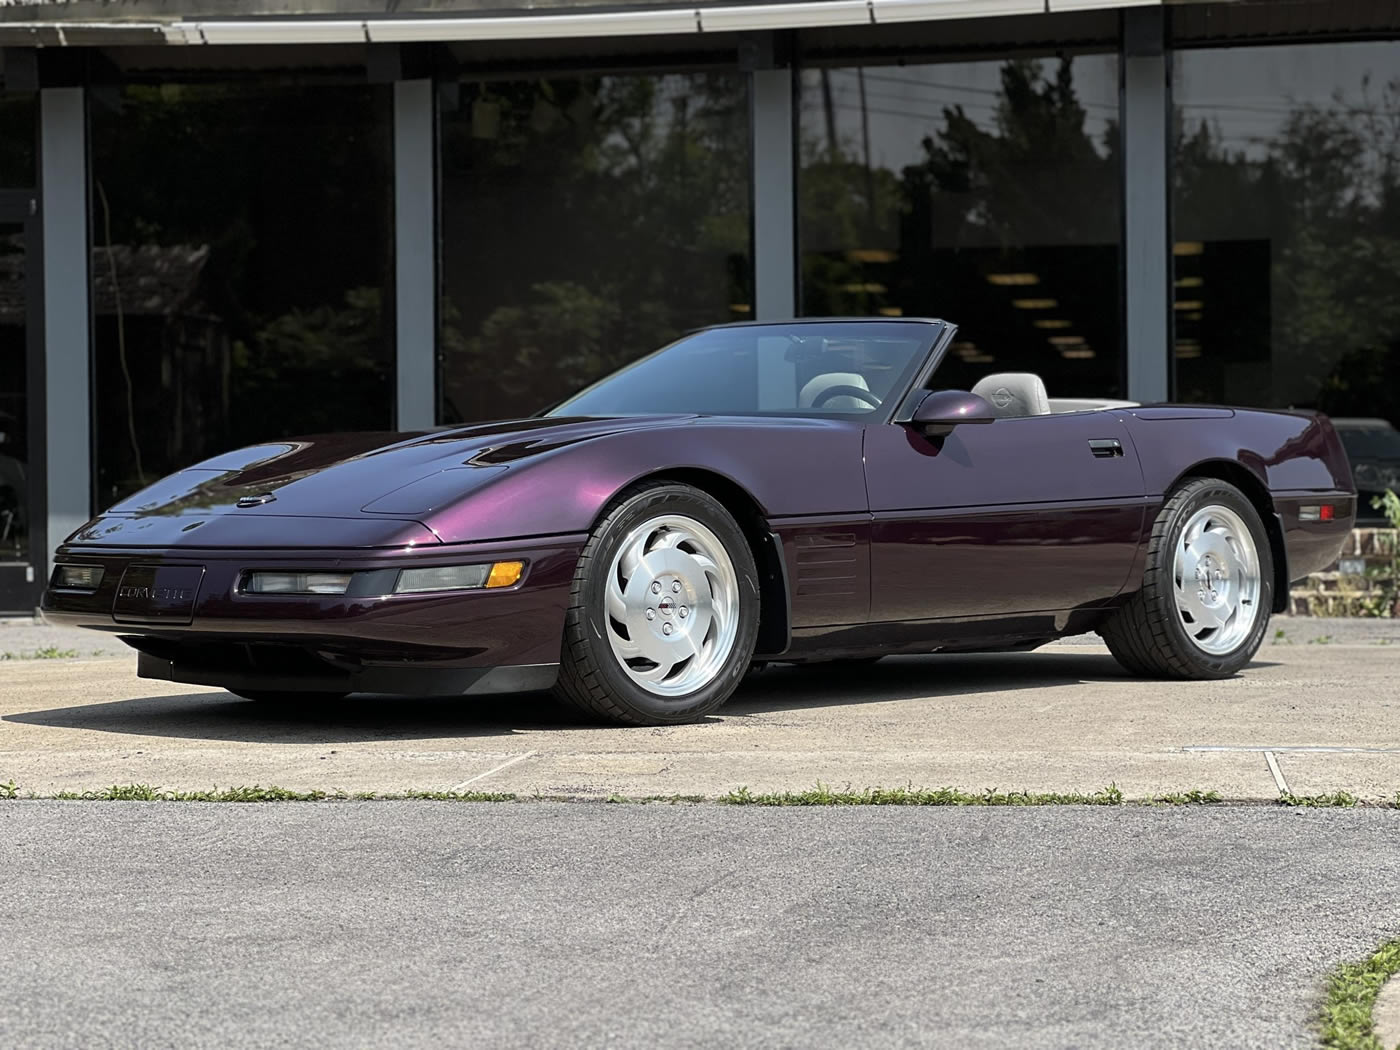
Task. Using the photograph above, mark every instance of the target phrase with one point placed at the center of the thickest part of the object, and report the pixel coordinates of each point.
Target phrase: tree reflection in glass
(1287, 205)
(242, 246)
(585, 222)
(985, 192)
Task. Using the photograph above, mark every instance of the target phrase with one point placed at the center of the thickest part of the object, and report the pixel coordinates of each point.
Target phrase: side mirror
(939, 412)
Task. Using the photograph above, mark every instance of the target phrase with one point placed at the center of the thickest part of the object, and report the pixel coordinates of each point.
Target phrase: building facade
(229, 224)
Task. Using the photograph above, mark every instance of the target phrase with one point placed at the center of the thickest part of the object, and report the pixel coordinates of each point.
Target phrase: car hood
(395, 479)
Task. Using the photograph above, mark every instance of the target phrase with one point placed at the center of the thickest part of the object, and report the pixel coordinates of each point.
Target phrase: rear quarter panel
(1298, 458)
(1285, 451)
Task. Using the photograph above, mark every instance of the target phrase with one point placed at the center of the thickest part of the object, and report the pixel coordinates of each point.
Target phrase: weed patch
(822, 795)
(1351, 996)
(51, 652)
(1336, 800)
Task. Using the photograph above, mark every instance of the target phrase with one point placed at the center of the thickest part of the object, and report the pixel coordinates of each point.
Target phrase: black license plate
(157, 594)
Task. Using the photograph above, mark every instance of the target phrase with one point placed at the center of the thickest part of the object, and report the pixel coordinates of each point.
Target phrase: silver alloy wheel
(672, 605)
(1215, 571)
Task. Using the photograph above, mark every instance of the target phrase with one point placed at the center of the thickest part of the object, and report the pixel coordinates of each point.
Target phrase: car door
(1022, 515)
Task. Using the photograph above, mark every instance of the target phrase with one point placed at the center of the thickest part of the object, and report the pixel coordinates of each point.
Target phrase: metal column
(774, 196)
(67, 403)
(415, 294)
(1146, 223)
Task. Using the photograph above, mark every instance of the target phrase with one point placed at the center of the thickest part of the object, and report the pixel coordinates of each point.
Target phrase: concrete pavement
(540, 924)
(1062, 719)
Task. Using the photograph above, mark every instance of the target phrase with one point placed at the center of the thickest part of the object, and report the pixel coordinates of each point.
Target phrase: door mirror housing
(940, 411)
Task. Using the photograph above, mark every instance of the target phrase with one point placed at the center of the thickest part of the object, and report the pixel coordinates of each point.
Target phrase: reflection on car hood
(346, 475)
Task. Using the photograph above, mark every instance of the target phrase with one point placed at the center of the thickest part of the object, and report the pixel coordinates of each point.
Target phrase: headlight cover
(297, 582)
(458, 577)
(77, 577)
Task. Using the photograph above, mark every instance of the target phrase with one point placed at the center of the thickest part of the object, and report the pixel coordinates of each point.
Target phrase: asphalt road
(546, 924)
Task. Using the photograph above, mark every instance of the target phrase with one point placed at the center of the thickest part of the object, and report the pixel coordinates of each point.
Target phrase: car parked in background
(1373, 446)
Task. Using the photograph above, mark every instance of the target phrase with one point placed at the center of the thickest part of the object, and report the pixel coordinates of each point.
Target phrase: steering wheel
(846, 390)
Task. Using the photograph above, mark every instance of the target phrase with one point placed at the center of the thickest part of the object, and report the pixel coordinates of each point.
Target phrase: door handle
(1105, 448)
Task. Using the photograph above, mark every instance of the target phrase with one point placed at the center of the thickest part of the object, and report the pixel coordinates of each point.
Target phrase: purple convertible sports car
(751, 493)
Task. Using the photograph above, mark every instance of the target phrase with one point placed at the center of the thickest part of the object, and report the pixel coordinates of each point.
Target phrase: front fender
(789, 467)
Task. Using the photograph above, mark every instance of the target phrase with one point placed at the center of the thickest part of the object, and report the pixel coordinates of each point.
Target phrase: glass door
(21, 533)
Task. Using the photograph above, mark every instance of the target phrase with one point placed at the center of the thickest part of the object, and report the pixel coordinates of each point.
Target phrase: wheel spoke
(1188, 559)
(1189, 602)
(654, 674)
(699, 626)
(1208, 617)
(684, 647)
(617, 604)
(672, 538)
(632, 557)
(707, 570)
(625, 649)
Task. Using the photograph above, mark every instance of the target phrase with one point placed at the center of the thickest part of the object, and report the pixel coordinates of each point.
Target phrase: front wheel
(1207, 590)
(663, 615)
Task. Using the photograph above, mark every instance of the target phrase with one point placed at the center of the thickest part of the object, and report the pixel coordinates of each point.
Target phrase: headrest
(1014, 394)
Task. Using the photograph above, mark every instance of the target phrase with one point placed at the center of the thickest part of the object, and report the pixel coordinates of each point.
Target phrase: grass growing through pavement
(1337, 800)
(1351, 996)
(821, 795)
(911, 796)
(146, 793)
(50, 652)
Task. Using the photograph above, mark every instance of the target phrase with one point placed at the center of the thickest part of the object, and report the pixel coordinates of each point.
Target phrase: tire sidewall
(1210, 665)
(654, 502)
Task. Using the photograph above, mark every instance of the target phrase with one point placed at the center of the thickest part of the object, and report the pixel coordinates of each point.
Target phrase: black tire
(591, 678)
(274, 696)
(1146, 634)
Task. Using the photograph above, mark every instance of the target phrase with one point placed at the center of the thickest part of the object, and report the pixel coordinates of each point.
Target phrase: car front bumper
(466, 641)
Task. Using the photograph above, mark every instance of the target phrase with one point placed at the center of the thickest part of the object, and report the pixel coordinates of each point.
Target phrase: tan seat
(818, 385)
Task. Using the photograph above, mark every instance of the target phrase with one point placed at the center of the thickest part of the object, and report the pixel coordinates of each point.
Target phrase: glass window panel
(986, 193)
(242, 269)
(18, 115)
(1287, 239)
(14, 419)
(585, 222)
(853, 370)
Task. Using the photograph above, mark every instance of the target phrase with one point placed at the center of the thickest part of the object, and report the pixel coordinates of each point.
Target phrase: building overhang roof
(64, 23)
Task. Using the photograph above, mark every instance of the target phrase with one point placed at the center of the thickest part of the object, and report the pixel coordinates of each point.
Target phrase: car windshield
(1370, 442)
(836, 369)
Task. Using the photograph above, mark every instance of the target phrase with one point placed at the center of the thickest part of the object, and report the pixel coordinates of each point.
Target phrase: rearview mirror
(939, 412)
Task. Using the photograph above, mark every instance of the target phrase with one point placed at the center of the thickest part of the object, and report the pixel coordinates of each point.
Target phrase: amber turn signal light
(505, 573)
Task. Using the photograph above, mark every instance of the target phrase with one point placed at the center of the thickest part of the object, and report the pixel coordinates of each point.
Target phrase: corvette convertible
(753, 493)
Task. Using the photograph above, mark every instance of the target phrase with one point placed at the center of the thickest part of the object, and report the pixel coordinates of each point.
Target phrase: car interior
(1015, 394)
(1011, 395)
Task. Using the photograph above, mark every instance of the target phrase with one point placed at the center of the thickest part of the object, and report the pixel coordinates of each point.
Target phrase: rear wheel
(1207, 590)
(663, 614)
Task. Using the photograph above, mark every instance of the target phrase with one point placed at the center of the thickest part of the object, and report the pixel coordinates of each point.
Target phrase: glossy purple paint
(893, 536)
(516, 625)
(942, 410)
(1283, 451)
